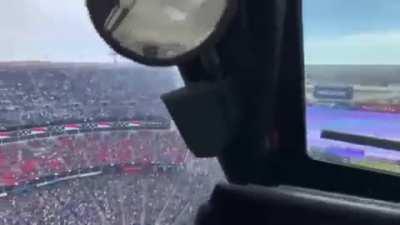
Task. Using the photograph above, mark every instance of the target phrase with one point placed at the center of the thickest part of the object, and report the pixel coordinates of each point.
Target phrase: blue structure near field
(333, 92)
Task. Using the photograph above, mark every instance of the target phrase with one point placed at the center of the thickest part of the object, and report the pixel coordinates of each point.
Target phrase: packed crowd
(156, 197)
(42, 93)
(25, 161)
(37, 94)
(159, 199)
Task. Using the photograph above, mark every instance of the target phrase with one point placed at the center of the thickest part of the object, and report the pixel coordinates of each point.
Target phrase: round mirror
(160, 32)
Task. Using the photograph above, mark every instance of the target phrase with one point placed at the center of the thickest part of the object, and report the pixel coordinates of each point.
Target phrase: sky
(53, 30)
(352, 32)
(336, 32)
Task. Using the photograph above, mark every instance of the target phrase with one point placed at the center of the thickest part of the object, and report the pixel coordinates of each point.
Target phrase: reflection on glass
(84, 137)
(353, 82)
(164, 29)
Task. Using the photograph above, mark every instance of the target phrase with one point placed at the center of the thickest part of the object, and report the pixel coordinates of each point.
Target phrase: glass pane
(84, 136)
(352, 52)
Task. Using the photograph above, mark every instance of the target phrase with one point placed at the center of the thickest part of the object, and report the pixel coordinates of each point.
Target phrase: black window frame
(292, 162)
(266, 40)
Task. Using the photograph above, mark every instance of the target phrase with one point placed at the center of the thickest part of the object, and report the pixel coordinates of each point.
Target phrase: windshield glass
(352, 55)
(84, 136)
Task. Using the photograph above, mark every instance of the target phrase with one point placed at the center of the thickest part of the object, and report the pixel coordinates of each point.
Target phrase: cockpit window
(352, 55)
(84, 136)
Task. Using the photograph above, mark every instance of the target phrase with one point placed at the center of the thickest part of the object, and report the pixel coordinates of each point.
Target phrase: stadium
(93, 144)
(95, 139)
(353, 99)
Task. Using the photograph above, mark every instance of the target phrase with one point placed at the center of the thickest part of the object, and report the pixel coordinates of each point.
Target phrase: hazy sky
(57, 30)
(336, 31)
(352, 31)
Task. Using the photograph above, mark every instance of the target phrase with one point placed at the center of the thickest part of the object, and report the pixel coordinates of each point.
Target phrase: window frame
(292, 162)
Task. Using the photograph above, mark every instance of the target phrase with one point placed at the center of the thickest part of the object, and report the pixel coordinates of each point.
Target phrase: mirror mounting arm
(212, 63)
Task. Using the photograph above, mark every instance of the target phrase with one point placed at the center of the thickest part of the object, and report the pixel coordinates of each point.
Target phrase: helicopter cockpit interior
(203, 112)
(243, 63)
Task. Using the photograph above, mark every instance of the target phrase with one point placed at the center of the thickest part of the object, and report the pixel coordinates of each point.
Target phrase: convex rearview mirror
(161, 32)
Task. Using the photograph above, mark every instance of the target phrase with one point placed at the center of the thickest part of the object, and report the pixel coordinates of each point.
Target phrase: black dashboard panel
(286, 205)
